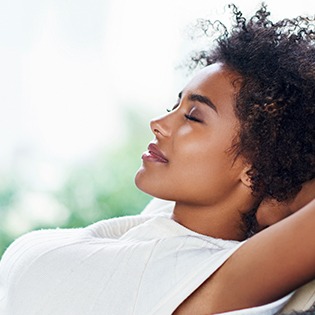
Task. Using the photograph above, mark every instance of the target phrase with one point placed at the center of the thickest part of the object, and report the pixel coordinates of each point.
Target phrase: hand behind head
(271, 211)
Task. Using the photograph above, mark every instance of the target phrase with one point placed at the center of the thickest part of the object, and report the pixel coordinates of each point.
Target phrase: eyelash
(192, 118)
(189, 117)
(173, 108)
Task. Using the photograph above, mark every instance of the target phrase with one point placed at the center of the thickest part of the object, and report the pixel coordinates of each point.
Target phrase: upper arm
(271, 264)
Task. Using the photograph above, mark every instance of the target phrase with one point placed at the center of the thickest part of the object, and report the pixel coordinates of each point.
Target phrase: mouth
(154, 154)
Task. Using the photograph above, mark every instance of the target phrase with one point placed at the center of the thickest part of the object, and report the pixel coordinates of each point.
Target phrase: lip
(154, 154)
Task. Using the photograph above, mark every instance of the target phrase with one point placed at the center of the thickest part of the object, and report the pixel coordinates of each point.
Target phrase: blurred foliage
(105, 188)
(102, 188)
(8, 192)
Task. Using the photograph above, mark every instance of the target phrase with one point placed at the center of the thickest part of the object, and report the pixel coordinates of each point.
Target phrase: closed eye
(192, 118)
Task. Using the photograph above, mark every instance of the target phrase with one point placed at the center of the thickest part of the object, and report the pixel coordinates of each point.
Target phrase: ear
(245, 178)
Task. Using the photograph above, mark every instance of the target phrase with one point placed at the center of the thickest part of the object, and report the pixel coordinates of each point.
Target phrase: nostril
(158, 127)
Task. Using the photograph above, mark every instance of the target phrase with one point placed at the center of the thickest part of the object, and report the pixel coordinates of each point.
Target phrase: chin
(138, 178)
(142, 182)
(149, 186)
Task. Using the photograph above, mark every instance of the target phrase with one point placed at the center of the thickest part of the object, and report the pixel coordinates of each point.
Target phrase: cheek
(204, 166)
(209, 160)
(207, 155)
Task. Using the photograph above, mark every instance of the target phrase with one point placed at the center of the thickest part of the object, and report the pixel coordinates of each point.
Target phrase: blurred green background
(99, 189)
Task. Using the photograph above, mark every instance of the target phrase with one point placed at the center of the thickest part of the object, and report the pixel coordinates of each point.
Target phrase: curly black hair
(276, 101)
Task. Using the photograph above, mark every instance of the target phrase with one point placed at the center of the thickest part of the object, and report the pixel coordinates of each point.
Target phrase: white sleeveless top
(140, 265)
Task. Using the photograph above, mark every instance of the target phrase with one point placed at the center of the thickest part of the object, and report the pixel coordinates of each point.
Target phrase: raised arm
(272, 263)
(268, 266)
(271, 211)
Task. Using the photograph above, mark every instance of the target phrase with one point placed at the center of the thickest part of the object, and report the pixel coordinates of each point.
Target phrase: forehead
(215, 76)
(217, 83)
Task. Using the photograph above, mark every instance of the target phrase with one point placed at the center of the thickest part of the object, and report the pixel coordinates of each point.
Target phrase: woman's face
(189, 159)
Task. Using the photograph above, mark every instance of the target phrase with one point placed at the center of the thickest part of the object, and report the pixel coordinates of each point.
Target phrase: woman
(240, 138)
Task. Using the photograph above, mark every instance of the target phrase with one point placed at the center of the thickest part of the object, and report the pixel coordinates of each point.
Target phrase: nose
(161, 126)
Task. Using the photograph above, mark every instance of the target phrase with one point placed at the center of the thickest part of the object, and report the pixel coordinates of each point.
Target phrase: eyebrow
(202, 99)
(199, 98)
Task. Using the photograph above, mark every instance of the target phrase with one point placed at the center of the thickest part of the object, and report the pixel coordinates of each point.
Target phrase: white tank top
(138, 265)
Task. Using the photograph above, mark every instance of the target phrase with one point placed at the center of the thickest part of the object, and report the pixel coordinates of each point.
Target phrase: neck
(223, 220)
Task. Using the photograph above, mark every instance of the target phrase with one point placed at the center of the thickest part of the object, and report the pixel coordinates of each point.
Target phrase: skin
(270, 211)
(209, 185)
(211, 191)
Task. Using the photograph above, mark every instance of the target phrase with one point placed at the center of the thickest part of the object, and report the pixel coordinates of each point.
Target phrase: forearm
(305, 196)
(271, 211)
